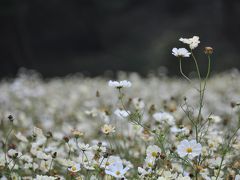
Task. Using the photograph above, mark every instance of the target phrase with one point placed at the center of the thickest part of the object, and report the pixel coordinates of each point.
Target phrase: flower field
(140, 128)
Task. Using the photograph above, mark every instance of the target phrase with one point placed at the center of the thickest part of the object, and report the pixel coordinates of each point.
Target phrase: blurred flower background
(90, 89)
(57, 37)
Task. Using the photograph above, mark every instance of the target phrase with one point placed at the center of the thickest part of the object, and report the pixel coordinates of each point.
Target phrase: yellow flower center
(150, 165)
(117, 173)
(74, 168)
(154, 154)
(189, 150)
(107, 163)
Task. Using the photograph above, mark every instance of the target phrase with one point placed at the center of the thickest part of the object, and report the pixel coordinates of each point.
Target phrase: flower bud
(208, 50)
(105, 155)
(66, 139)
(54, 155)
(49, 134)
(97, 94)
(10, 117)
(162, 156)
(99, 144)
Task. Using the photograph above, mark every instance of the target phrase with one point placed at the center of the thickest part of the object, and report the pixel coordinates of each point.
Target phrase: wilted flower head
(192, 42)
(181, 52)
(77, 133)
(120, 84)
(189, 148)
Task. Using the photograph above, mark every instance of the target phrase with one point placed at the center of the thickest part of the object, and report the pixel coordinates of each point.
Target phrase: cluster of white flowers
(62, 130)
(183, 52)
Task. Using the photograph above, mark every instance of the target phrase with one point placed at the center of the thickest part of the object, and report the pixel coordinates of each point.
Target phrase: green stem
(204, 88)
(197, 67)
(6, 142)
(121, 99)
(50, 166)
(69, 151)
(220, 166)
(184, 75)
(200, 86)
(181, 71)
(225, 152)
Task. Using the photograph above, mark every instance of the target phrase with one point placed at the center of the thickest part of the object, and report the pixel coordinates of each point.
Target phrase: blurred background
(59, 37)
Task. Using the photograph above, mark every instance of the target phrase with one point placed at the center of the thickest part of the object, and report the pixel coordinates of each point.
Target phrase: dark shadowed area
(58, 37)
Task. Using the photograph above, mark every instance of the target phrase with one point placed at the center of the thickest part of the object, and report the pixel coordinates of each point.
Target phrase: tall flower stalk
(196, 122)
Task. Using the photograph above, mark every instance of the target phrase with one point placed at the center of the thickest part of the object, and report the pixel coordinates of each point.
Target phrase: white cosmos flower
(189, 148)
(181, 52)
(149, 162)
(181, 177)
(143, 172)
(214, 162)
(75, 168)
(153, 151)
(215, 119)
(164, 117)
(167, 175)
(176, 130)
(105, 162)
(192, 42)
(14, 153)
(121, 113)
(41, 177)
(116, 170)
(45, 165)
(65, 162)
(119, 84)
(237, 177)
(84, 147)
(43, 156)
(27, 158)
(138, 103)
(21, 137)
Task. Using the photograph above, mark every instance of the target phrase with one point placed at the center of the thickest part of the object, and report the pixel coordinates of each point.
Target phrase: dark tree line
(57, 37)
